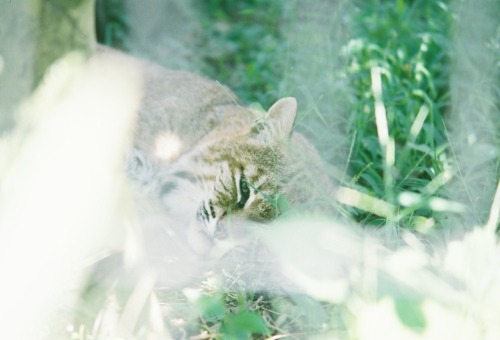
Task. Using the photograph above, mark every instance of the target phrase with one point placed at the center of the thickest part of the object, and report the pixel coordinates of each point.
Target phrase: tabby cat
(212, 164)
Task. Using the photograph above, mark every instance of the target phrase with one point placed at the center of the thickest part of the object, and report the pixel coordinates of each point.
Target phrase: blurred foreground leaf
(410, 313)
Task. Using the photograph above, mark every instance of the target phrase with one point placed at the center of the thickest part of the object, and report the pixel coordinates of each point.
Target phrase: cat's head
(248, 172)
(243, 174)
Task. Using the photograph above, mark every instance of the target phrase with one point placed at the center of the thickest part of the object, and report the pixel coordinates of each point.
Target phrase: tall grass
(401, 98)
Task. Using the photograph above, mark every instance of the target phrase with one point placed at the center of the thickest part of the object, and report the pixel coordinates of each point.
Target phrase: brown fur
(195, 147)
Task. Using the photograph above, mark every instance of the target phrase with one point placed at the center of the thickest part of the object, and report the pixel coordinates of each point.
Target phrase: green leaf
(282, 204)
(310, 308)
(211, 307)
(242, 325)
(410, 313)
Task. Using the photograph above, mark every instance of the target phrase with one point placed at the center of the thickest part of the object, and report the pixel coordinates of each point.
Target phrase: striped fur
(206, 163)
(227, 177)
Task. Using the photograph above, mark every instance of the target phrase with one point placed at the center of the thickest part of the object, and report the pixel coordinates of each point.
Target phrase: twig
(494, 218)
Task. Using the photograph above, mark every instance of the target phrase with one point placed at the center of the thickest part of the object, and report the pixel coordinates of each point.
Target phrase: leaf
(410, 313)
(311, 309)
(282, 204)
(242, 325)
(211, 307)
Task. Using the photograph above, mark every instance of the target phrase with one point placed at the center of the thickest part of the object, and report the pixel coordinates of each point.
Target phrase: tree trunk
(34, 34)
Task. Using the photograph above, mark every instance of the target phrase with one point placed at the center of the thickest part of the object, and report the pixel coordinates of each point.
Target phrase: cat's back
(178, 108)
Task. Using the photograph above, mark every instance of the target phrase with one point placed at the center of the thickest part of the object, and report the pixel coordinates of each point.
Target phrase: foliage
(241, 46)
(239, 324)
(111, 23)
(407, 46)
(409, 42)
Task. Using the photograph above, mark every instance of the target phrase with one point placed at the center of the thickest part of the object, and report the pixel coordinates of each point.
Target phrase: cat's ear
(281, 117)
(279, 120)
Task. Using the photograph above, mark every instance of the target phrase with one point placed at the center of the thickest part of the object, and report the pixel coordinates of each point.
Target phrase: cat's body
(209, 163)
(201, 166)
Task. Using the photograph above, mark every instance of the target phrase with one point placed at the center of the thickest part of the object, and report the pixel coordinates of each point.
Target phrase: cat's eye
(244, 192)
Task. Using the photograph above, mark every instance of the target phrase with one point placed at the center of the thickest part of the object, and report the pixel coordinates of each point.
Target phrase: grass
(241, 47)
(390, 71)
(410, 46)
